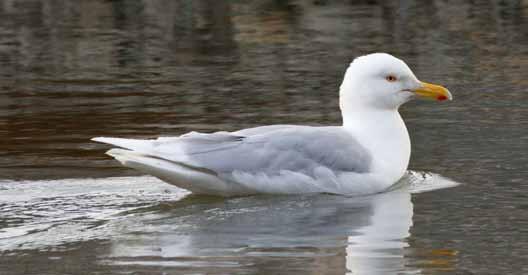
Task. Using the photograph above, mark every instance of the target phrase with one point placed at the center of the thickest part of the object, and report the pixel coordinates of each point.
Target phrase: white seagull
(367, 154)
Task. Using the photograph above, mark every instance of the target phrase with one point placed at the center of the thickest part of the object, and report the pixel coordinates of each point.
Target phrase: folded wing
(266, 153)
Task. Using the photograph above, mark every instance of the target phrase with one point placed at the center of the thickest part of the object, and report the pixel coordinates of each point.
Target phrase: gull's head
(382, 81)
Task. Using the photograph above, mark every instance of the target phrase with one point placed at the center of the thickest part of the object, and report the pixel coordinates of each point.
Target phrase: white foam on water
(421, 182)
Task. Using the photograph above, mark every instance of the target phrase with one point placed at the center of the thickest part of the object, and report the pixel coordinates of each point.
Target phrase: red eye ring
(391, 78)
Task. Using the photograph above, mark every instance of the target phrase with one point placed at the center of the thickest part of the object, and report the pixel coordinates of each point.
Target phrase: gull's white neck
(383, 133)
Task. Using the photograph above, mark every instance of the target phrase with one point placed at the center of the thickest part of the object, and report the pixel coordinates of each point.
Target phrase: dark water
(71, 70)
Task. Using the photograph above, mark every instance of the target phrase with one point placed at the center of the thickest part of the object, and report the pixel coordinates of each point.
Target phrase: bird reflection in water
(258, 233)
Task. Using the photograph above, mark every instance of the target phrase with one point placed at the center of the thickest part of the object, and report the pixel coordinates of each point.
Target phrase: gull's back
(269, 159)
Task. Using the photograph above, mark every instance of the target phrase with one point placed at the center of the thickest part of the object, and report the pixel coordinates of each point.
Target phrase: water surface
(141, 223)
(71, 70)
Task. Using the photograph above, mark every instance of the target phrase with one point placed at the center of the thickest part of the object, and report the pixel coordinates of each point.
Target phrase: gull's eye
(391, 78)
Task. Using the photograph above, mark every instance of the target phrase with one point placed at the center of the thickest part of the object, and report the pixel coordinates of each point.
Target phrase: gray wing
(269, 150)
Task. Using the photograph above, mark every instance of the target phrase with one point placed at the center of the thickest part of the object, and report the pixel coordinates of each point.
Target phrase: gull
(367, 154)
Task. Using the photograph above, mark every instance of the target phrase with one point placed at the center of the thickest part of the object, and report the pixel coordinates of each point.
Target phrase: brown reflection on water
(72, 70)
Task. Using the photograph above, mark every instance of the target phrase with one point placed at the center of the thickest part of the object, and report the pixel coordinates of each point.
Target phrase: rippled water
(143, 223)
(71, 70)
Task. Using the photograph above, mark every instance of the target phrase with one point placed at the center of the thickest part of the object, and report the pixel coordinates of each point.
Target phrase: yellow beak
(433, 91)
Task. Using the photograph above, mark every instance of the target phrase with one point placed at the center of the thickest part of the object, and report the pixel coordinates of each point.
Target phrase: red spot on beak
(441, 98)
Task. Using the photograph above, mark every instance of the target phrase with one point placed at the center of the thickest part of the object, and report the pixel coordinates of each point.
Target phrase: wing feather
(297, 149)
(267, 150)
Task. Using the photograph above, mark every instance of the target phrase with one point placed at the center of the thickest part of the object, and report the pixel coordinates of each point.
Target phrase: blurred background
(72, 70)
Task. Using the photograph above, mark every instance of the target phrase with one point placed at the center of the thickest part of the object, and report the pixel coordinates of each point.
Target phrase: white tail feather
(139, 145)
